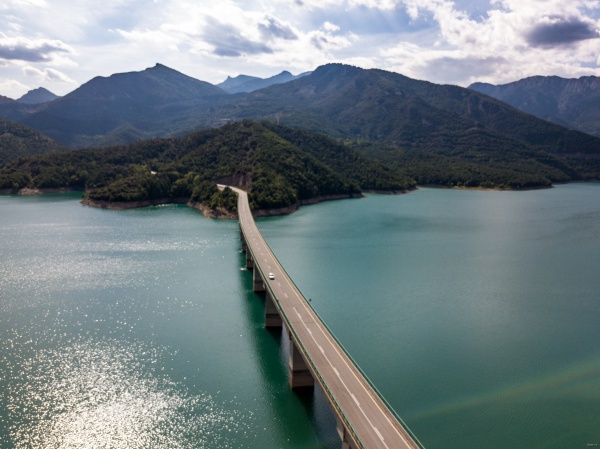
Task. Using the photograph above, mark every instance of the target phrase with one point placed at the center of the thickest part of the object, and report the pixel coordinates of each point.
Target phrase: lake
(474, 313)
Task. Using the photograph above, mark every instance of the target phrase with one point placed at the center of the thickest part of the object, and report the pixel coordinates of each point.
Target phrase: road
(362, 411)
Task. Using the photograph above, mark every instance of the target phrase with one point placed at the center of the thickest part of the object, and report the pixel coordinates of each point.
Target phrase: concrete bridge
(363, 419)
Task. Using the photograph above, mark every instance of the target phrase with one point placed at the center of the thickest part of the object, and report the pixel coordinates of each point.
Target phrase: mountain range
(245, 83)
(574, 103)
(434, 134)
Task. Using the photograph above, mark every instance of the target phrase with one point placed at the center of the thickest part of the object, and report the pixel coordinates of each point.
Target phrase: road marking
(249, 222)
(320, 348)
(355, 400)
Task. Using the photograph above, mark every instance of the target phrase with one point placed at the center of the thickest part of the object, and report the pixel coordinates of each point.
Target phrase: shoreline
(492, 189)
(214, 213)
(222, 213)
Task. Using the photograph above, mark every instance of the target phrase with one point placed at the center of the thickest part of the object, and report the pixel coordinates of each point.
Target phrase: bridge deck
(365, 416)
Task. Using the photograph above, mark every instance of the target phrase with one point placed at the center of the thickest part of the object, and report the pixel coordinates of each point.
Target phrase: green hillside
(18, 140)
(266, 162)
(574, 103)
(435, 134)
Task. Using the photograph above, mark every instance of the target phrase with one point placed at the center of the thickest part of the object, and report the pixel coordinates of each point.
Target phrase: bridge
(364, 420)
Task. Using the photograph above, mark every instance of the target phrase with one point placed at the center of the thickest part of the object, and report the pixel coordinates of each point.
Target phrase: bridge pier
(272, 317)
(249, 261)
(347, 441)
(258, 283)
(299, 374)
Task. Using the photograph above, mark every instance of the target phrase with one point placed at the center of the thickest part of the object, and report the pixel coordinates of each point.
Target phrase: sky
(61, 44)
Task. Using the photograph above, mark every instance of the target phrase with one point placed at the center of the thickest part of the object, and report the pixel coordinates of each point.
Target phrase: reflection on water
(109, 394)
(136, 329)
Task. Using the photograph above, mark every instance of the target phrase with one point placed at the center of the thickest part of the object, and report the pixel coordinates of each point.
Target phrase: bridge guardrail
(387, 404)
(314, 369)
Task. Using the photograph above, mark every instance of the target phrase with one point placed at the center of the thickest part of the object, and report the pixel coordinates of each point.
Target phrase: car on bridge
(271, 276)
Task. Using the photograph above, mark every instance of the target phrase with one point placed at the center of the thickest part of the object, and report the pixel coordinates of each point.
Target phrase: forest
(275, 171)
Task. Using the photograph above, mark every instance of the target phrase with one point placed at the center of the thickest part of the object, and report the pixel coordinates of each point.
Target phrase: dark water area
(475, 314)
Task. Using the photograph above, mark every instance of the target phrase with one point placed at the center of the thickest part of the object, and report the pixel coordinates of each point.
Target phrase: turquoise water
(137, 329)
(474, 313)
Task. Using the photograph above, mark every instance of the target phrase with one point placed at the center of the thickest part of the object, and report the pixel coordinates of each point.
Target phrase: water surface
(476, 314)
(137, 329)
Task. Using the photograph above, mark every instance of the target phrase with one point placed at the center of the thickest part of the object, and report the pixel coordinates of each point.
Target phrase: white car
(271, 276)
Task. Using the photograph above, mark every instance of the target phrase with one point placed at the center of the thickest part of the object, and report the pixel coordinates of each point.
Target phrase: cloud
(228, 41)
(22, 49)
(273, 28)
(48, 75)
(561, 32)
(448, 69)
(12, 86)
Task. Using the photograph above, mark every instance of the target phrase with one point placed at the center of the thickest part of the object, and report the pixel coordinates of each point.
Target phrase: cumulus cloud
(22, 49)
(561, 32)
(228, 41)
(273, 28)
(9, 85)
(48, 75)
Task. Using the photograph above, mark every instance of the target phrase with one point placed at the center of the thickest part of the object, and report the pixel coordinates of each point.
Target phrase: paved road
(365, 413)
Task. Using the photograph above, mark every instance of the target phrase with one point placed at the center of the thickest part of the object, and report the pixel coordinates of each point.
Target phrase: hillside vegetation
(432, 134)
(444, 135)
(276, 171)
(574, 103)
(18, 140)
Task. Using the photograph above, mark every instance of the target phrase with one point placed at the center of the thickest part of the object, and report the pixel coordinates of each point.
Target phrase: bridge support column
(249, 261)
(272, 317)
(243, 239)
(299, 374)
(258, 285)
(347, 441)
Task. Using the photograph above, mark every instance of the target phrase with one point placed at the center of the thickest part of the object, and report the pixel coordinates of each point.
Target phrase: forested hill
(275, 171)
(574, 103)
(17, 140)
(437, 134)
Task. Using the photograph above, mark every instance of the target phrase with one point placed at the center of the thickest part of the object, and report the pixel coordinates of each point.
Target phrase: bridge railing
(315, 370)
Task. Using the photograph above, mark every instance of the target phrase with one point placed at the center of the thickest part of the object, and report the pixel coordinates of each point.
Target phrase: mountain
(125, 107)
(276, 172)
(436, 133)
(245, 83)
(574, 103)
(38, 96)
(17, 140)
(6, 100)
